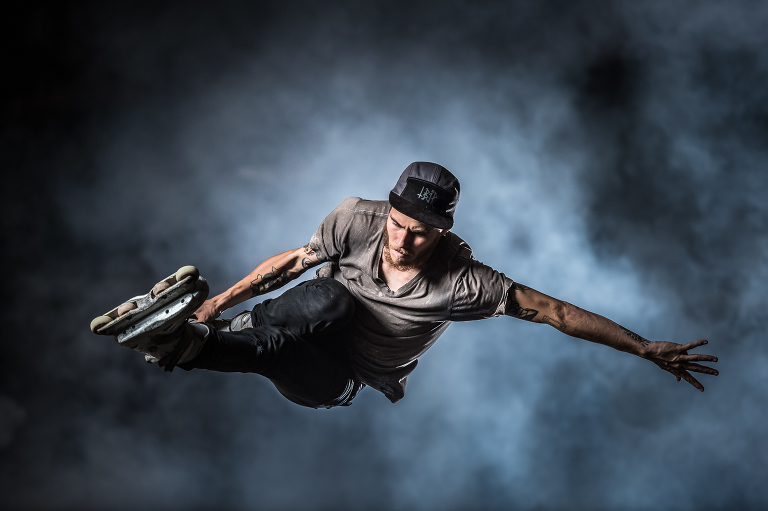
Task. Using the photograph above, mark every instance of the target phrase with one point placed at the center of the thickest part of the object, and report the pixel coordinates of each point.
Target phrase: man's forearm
(669, 356)
(589, 326)
(531, 305)
(271, 274)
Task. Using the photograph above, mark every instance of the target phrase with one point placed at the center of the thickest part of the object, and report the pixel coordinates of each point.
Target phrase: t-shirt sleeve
(480, 292)
(330, 239)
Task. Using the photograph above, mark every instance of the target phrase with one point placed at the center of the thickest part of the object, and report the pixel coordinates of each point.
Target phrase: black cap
(426, 192)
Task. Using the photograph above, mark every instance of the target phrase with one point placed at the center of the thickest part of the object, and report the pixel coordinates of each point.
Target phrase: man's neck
(395, 278)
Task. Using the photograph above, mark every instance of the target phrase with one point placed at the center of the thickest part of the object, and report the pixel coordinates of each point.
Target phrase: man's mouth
(400, 253)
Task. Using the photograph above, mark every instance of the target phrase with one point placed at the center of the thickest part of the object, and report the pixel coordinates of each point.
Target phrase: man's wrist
(640, 345)
(220, 303)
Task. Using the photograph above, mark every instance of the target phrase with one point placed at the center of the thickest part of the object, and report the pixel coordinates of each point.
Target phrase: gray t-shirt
(391, 330)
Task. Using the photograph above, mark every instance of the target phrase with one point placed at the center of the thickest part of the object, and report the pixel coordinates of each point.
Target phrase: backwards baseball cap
(426, 192)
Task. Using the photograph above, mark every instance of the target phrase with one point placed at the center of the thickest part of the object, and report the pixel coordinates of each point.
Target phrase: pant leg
(312, 307)
(294, 342)
(310, 372)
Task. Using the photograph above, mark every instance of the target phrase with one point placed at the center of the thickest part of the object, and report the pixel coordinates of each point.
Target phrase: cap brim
(422, 215)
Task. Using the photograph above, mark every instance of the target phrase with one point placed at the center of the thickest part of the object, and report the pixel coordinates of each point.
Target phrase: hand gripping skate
(154, 323)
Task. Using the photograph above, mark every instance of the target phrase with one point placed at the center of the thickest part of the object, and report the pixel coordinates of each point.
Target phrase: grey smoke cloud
(612, 157)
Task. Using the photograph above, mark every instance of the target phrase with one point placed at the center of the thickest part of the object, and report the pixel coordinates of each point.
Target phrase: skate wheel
(99, 322)
(126, 308)
(187, 271)
(160, 287)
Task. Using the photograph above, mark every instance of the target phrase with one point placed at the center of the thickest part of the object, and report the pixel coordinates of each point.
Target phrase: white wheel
(160, 287)
(126, 308)
(99, 322)
(187, 271)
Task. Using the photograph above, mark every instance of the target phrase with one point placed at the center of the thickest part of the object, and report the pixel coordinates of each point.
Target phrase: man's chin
(399, 263)
(402, 267)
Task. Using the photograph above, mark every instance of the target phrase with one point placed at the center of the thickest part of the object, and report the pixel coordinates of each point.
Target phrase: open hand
(674, 358)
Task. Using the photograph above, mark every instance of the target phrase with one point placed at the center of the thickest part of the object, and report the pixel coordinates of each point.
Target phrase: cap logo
(428, 195)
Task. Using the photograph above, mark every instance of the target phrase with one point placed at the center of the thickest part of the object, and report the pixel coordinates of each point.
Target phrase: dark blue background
(612, 154)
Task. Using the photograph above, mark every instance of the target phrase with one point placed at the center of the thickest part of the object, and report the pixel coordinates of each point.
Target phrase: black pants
(296, 341)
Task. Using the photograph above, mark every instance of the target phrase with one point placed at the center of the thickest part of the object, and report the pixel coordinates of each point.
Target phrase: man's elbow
(564, 316)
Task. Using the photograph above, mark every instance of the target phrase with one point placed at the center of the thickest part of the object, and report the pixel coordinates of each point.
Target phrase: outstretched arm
(272, 274)
(531, 305)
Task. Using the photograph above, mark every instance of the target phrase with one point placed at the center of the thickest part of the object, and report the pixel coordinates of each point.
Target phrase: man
(396, 278)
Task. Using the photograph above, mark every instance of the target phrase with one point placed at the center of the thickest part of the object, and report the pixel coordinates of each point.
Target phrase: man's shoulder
(360, 206)
(457, 248)
(355, 207)
(479, 291)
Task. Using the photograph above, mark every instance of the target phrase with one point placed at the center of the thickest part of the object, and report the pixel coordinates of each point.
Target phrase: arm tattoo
(635, 337)
(513, 306)
(264, 283)
(554, 323)
(311, 259)
(514, 310)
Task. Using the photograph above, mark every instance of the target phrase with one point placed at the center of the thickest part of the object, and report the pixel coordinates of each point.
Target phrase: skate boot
(242, 320)
(178, 347)
(156, 323)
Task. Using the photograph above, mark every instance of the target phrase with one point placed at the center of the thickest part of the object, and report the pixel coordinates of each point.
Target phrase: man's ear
(445, 232)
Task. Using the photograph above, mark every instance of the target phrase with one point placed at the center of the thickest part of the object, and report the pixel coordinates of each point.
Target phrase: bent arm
(271, 274)
(531, 305)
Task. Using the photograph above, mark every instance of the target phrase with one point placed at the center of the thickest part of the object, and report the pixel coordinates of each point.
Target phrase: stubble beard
(388, 256)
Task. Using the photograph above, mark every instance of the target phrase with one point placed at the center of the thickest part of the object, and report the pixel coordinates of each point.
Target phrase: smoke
(611, 156)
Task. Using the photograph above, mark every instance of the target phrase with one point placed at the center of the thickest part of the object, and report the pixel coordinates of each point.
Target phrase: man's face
(408, 243)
